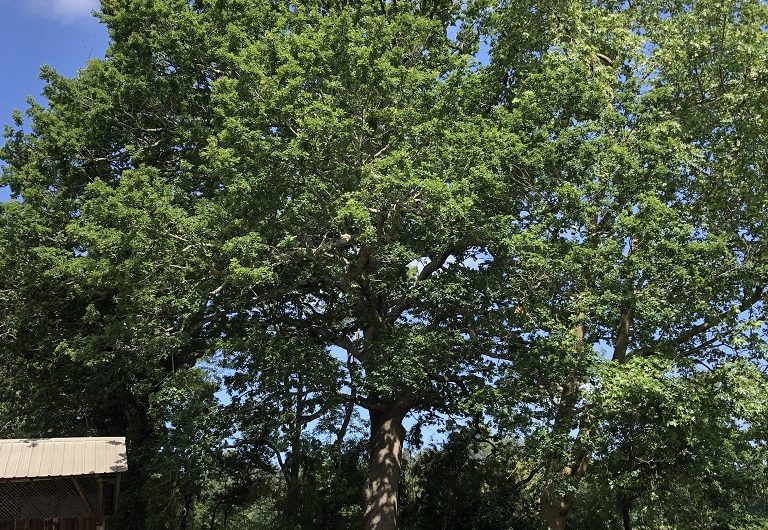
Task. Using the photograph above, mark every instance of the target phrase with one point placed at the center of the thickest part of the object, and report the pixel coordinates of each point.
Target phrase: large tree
(323, 172)
(364, 183)
(404, 207)
(643, 235)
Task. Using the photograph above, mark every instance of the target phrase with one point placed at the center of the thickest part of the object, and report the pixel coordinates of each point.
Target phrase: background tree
(105, 263)
(281, 400)
(677, 447)
(643, 235)
(469, 482)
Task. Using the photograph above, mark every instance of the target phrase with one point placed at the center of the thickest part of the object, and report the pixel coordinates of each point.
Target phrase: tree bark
(293, 500)
(626, 515)
(622, 336)
(184, 524)
(555, 507)
(554, 510)
(214, 513)
(292, 505)
(140, 437)
(382, 487)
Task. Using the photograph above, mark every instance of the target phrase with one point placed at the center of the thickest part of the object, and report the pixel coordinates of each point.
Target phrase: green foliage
(351, 206)
(467, 484)
(680, 449)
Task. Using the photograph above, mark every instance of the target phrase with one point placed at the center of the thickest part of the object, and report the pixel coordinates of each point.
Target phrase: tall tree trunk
(214, 513)
(292, 505)
(226, 517)
(554, 510)
(626, 515)
(555, 507)
(293, 500)
(382, 486)
(184, 524)
(133, 499)
(620, 356)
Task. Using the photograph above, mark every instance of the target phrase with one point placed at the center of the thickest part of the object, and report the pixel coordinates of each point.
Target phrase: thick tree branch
(450, 379)
(622, 336)
(405, 303)
(528, 478)
(434, 264)
(705, 326)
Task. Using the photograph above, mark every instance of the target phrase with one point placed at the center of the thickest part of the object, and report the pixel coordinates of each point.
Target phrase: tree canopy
(275, 243)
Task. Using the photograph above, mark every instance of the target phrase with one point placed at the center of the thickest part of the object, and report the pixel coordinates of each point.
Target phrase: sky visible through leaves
(65, 35)
(61, 33)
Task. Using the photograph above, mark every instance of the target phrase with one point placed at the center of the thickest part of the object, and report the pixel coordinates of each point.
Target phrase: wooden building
(60, 483)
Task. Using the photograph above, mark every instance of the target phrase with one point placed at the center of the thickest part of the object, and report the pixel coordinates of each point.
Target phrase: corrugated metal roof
(61, 457)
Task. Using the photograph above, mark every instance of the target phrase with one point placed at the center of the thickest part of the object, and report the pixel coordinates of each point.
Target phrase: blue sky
(61, 33)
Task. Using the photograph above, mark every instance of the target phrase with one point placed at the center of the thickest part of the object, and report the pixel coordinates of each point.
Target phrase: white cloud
(67, 10)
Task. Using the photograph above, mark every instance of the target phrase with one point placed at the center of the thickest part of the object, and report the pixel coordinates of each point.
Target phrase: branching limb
(705, 326)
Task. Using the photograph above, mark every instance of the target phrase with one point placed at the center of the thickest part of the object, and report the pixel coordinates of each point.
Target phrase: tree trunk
(382, 486)
(293, 500)
(140, 436)
(554, 511)
(555, 507)
(214, 513)
(184, 524)
(293, 494)
(226, 516)
(626, 515)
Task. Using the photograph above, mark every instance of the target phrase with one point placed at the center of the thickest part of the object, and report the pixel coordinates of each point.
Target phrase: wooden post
(117, 493)
(84, 498)
(100, 505)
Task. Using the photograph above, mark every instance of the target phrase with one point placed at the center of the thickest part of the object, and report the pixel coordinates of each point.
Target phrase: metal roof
(61, 457)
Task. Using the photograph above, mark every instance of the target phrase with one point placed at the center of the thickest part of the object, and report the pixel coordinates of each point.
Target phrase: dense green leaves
(549, 219)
